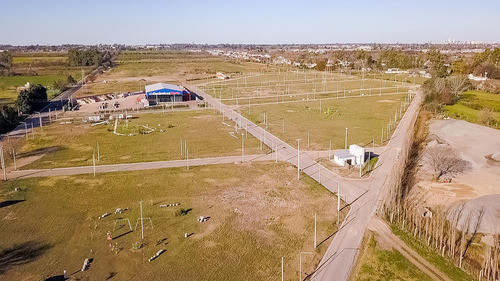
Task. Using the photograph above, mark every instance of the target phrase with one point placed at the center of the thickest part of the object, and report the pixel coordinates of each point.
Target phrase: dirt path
(388, 238)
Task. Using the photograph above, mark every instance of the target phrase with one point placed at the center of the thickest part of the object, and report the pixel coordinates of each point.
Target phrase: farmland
(36, 68)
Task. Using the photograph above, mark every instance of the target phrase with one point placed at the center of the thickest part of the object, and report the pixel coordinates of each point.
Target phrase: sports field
(257, 213)
(144, 137)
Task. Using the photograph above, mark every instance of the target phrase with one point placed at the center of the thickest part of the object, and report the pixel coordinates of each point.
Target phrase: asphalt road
(361, 195)
(55, 104)
(136, 166)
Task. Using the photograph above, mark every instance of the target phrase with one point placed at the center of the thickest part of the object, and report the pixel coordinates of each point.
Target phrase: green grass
(431, 256)
(364, 117)
(27, 59)
(8, 85)
(249, 231)
(377, 264)
(470, 105)
(204, 132)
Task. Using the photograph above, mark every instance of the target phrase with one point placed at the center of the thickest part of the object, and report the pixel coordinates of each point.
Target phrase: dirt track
(385, 236)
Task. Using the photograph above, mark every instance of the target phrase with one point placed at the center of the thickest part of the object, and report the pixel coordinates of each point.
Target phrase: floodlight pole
(330, 151)
(319, 172)
(345, 138)
(338, 203)
(300, 263)
(93, 161)
(298, 159)
(25, 129)
(242, 148)
(98, 154)
(142, 223)
(3, 164)
(315, 231)
(14, 156)
(40, 120)
(282, 277)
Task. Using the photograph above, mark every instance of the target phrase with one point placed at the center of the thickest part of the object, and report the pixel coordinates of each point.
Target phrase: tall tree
(30, 99)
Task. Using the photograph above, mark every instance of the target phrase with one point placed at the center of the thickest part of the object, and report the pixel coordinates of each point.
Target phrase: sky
(25, 22)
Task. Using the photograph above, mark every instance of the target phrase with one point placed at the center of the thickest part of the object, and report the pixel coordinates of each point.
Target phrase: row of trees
(450, 230)
(484, 63)
(444, 91)
(91, 57)
(5, 63)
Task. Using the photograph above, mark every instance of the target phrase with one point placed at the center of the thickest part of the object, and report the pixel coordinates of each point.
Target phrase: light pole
(242, 148)
(40, 119)
(298, 159)
(300, 263)
(315, 231)
(25, 129)
(345, 138)
(3, 164)
(338, 203)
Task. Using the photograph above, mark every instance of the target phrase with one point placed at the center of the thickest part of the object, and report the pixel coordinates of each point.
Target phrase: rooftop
(160, 86)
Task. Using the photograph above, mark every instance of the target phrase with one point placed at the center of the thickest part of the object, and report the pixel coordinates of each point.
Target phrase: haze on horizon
(29, 22)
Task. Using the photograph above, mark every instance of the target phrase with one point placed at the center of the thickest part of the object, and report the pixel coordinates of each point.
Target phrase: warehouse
(162, 92)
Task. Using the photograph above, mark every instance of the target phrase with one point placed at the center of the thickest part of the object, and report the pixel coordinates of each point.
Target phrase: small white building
(355, 155)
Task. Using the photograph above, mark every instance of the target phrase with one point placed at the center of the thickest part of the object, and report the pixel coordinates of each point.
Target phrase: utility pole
(283, 126)
(98, 154)
(181, 145)
(93, 161)
(187, 159)
(32, 132)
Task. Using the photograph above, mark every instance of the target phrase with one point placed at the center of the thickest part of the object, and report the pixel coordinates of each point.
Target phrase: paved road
(136, 166)
(362, 196)
(55, 104)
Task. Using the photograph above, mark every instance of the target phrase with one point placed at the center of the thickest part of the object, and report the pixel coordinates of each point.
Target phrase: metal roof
(343, 154)
(163, 86)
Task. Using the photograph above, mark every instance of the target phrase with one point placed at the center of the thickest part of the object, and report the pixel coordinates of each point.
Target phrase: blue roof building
(163, 92)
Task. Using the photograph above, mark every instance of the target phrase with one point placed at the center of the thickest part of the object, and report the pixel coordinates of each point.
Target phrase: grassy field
(471, 104)
(36, 68)
(375, 263)
(258, 214)
(364, 117)
(437, 260)
(299, 85)
(64, 145)
(135, 69)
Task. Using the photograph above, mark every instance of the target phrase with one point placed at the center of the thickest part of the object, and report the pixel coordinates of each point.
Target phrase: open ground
(258, 214)
(202, 133)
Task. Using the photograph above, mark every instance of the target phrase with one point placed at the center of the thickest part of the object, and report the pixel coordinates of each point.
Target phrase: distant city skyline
(249, 22)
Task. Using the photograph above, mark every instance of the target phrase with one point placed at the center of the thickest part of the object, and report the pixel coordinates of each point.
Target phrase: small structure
(221, 75)
(478, 78)
(355, 155)
(162, 92)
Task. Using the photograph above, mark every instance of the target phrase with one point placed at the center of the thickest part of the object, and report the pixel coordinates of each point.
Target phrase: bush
(487, 116)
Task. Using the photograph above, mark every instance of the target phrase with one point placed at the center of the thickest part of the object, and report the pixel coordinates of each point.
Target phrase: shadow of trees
(21, 254)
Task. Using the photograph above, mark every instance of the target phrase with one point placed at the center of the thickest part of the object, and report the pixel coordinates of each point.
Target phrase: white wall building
(355, 155)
